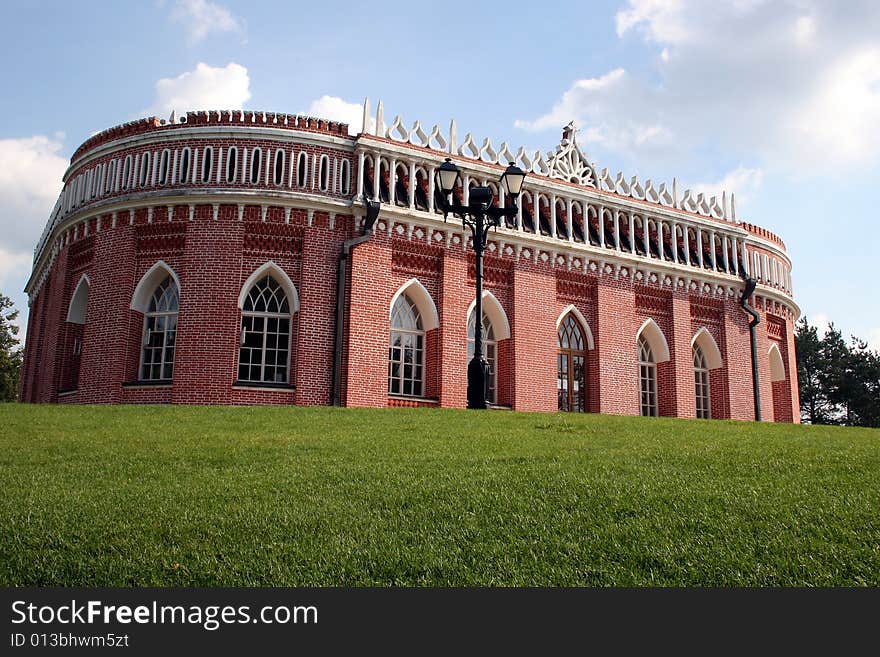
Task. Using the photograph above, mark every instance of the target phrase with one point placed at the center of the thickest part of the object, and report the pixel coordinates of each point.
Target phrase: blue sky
(778, 102)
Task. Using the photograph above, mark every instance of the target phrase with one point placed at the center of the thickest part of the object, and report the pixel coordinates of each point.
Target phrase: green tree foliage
(839, 382)
(10, 351)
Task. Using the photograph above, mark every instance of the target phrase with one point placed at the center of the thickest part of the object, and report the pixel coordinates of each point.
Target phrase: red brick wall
(615, 335)
(213, 255)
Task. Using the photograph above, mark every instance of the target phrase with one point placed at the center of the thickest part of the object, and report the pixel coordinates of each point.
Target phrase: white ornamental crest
(569, 163)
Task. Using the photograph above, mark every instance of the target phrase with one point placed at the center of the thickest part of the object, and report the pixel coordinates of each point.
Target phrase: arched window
(490, 352)
(160, 330)
(406, 354)
(647, 378)
(571, 359)
(266, 316)
(96, 178)
(232, 165)
(324, 173)
(278, 173)
(302, 170)
(207, 164)
(144, 177)
(108, 181)
(701, 384)
(344, 178)
(185, 159)
(164, 161)
(256, 165)
(126, 172)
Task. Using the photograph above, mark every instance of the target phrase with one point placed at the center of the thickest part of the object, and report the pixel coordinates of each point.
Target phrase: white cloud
(205, 87)
(742, 181)
(15, 269)
(821, 322)
(792, 87)
(200, 18)
(337, 109)
(873, 338)
(30, 181)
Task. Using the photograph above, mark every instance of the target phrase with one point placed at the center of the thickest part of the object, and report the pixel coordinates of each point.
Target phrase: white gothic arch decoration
(271, 269)
(709, 347)
(76, 312)
(588, 334)
(777, 365)
(414, 289)
(140, 300)
(495, 312)
(656, 340)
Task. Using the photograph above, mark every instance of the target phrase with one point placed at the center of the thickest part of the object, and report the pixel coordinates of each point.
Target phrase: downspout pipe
(348, 246)
(749, 290)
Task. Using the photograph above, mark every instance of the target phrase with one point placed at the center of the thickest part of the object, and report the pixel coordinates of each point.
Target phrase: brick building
(198, 260)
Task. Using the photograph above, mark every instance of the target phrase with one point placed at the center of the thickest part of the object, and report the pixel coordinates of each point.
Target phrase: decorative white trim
(76, 311)
(777, 365)
(495, 312)
(140, 300)
(710, 349)
(423, 300)
(585, 325)
(280, 276)
(656, 339)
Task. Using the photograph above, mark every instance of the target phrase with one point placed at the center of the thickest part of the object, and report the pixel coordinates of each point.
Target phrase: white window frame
(345, 177)
(647, 374)
(424, 350)
(702, 385)
(207, 164)
(278, 171)
(266, 316)
(146, 334)
(231, 165)
(186, 153)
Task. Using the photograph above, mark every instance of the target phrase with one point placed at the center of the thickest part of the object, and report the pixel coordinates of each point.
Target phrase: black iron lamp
(512, 180)
(447, 176)
(479, 215)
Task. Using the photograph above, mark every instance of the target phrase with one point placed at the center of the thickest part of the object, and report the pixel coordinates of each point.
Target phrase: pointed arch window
(701, 384)
(266, 317)
(647, 379)
(571, 360)
(406, 354)
(490, 352)
(160, 332)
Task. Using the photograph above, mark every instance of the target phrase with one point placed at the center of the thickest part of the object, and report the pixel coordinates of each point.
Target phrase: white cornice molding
(166, 135)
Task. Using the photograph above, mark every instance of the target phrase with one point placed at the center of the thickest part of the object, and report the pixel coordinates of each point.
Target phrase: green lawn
(130, 496)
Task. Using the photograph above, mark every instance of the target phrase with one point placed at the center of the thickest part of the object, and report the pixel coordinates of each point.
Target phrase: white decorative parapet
(567, 162)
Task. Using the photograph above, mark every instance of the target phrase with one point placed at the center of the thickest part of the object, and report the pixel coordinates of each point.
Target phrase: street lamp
(479, 215)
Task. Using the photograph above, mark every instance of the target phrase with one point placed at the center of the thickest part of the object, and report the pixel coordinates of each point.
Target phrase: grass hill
(186, 496)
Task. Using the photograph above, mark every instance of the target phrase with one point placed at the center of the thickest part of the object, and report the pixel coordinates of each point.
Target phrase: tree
(864, 402)
(10, 351)
(815, 406)
(839, 383)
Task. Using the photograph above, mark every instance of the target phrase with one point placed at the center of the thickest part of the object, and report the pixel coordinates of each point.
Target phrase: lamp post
(479, 215)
